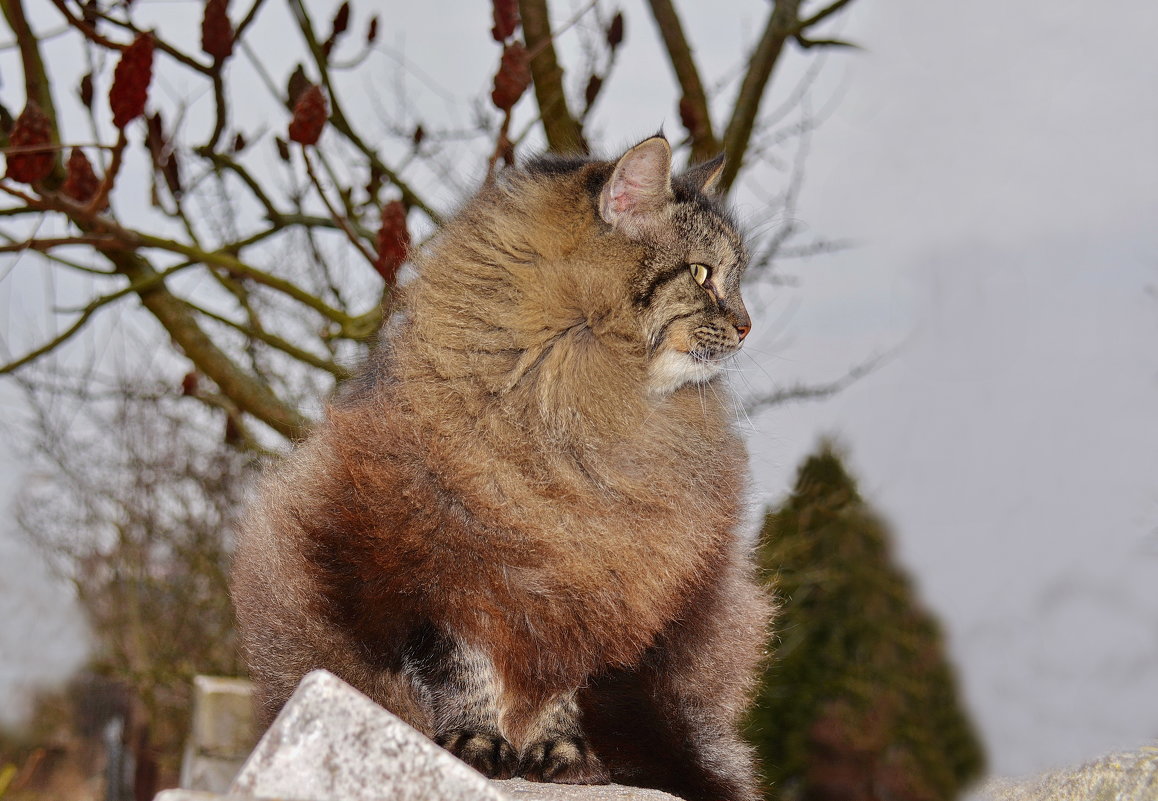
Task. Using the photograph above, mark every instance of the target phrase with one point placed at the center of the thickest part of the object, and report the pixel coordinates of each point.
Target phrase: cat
(517, 528)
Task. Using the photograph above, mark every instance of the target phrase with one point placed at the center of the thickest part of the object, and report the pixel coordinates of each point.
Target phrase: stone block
(1129, 776)
(221, 735)
(332, 743)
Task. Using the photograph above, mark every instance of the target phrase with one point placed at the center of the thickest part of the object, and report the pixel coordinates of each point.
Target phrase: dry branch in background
(235, 338)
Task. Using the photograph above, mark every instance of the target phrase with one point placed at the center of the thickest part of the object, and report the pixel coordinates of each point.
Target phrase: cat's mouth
(673, 368)
(708, 353)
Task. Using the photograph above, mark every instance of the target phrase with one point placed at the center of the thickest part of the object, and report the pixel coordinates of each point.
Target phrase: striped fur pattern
(516, 529)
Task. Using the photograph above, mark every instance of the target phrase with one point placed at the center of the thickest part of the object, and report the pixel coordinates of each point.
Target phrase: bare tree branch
(36, 84)
(807, 392)
(823, 14)
(342, 125)
(275, 341)
(89, 32)
(563, 132)
(42, 245)
(340, 220)
(807, 43)
(782, 24)
(694, 110)
(250, 394)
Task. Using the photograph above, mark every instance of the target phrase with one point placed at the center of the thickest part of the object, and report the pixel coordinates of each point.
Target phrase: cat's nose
(737, 315)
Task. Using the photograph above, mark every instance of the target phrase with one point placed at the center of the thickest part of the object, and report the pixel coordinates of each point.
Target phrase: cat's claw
(487, 753)
(564, 760)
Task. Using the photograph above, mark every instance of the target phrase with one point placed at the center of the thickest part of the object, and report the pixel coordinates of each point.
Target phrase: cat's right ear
(640, 184)
(706, 176)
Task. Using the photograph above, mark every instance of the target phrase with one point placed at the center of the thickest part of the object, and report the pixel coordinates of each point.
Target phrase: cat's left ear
(706, 176)
(640, 183)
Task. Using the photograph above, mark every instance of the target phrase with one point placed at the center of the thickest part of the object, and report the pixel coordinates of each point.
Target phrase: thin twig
(141, 285)
(277, 342)
(342, 125)
(339, 219)
(162, 45)
(98, 242)
(805, 392)
(101, 199)
(88, 31)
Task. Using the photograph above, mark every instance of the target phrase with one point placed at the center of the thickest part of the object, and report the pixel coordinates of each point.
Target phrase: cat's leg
(557, 750)
(701, 676)
(460, 686)
(673, 722)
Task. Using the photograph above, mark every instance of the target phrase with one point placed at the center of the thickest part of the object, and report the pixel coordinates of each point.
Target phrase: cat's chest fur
(597, 547)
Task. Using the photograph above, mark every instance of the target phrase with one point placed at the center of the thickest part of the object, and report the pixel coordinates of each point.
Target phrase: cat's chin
(672, 369)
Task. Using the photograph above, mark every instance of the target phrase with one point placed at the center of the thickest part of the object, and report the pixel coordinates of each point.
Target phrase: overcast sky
(996, 167)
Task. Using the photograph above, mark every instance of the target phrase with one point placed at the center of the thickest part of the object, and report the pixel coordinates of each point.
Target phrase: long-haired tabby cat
(517, 529)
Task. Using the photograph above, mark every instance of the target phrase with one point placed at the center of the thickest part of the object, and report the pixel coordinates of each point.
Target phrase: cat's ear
(706, 176)
(640, 182)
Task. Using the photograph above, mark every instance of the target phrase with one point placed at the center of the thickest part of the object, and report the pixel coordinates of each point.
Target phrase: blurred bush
(858, 702)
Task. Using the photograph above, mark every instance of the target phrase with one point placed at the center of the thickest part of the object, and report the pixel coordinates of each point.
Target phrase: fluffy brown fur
(517, 529)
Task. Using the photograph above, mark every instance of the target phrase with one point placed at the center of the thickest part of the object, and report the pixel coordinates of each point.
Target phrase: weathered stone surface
(1129, 776)
(331, 743)
(523, 790)
(517, 789)
(202, 795)
(222, 733)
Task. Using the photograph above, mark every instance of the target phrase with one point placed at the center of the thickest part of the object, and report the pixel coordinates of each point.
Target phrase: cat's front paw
(486, 752)
(563, 760)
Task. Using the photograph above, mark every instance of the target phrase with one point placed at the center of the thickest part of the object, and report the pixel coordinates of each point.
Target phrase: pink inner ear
(626, 193)
(639, 180)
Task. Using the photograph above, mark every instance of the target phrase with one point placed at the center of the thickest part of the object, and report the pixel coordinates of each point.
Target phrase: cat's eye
(700, 272)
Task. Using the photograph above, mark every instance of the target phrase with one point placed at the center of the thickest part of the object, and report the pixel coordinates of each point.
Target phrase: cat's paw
(487, 753)
(563, 760)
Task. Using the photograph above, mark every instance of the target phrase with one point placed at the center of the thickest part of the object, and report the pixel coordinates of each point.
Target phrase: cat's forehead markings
(724, 233)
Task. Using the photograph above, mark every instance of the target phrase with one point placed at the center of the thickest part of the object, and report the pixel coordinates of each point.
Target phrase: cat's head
(686, 287)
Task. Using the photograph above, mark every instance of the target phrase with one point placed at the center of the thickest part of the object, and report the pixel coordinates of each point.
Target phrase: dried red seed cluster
(131, 81)
(86, 90)
(341, 20)
(393, 241)
(298, 83)
(338, 25)
(594, 84)
(513, 78)
(309, 118)
(81, 184)
(506, 15)
(689, 116)
(217, 30)
(164, 157)
(615, 31)
(190, 383)
(30, 163)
